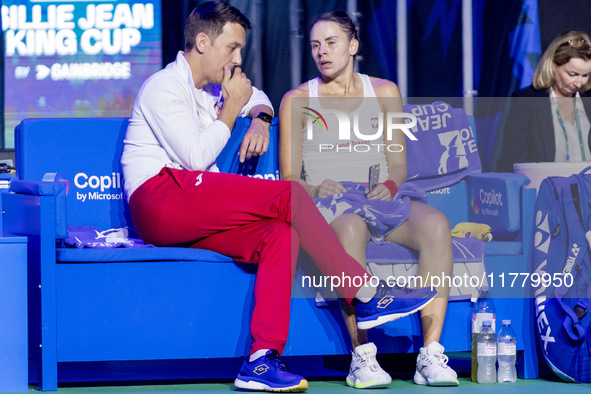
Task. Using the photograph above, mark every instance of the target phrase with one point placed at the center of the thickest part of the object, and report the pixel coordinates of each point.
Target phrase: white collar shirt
(174, 124)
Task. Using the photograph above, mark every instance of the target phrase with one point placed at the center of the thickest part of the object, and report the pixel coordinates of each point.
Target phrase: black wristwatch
(265, 117)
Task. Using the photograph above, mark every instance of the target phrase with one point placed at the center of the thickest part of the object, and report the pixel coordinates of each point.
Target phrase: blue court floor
(540, 386)
(330, 378)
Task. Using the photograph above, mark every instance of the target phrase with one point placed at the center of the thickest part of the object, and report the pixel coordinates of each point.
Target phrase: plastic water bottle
(506, 353)
(483, 309)
(487, 354)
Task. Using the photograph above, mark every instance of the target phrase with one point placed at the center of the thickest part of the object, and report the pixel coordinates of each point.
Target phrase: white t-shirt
(174, 124)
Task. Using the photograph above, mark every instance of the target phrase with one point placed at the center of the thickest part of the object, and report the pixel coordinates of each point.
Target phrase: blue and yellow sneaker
(391, 303)
(269, 373)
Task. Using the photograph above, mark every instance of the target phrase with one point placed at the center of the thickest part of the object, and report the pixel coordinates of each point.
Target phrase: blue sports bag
(562, 261)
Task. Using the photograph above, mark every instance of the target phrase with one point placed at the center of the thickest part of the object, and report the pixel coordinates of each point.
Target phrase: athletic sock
(258, 354)
(366, 293)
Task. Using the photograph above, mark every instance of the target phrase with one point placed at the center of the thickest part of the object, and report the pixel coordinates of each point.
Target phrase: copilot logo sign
(350, 121)
(487, 202)
(98, 187)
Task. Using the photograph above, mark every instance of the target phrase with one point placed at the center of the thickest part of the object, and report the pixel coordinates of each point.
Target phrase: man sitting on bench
(181, 120)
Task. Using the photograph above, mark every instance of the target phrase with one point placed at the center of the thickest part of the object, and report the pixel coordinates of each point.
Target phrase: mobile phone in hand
(374, 176)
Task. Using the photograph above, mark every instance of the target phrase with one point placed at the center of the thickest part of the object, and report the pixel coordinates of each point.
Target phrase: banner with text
(77, 58)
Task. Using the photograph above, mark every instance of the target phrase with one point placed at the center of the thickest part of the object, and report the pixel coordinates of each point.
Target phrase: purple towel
(92, 237)
(382, 217)
(465, 250)
(445, 150)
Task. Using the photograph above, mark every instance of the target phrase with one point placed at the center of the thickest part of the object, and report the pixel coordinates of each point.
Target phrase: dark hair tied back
(343, 20)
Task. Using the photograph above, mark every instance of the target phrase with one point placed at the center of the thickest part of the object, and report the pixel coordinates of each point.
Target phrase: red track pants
(251, 220)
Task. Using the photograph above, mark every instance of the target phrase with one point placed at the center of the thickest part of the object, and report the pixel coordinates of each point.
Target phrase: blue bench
(178, 304)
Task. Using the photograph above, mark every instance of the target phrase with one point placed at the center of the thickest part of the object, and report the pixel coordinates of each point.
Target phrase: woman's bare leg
(352, 231)
(428, 231)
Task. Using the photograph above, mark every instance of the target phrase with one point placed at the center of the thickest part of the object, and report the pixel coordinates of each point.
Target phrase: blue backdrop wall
(506, 42)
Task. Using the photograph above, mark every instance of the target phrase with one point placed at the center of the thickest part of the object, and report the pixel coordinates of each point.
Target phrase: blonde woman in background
(553, 127)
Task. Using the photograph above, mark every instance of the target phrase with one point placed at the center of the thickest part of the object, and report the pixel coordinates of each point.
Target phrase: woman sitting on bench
(314, 149)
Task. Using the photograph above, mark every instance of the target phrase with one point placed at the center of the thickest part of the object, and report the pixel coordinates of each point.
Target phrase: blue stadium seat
(173, 303)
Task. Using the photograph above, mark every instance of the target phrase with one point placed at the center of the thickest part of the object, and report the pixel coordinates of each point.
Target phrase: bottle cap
(506, 322)
(486, 323)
